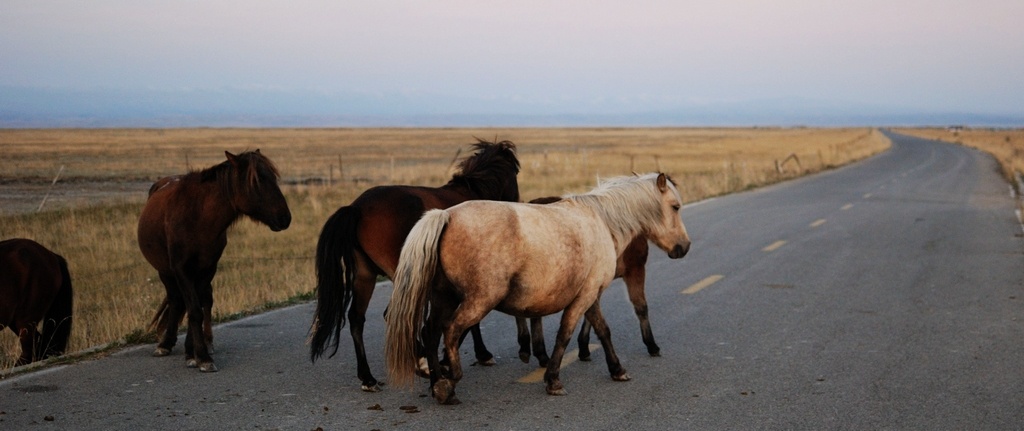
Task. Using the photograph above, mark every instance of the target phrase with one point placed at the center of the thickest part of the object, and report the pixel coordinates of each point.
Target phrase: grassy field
(1007, 145)
(117, 291)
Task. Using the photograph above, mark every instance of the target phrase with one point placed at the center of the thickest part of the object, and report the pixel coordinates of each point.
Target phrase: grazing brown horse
(526, 260)
(631, 267)
(35, 287)
(183, 231)
(362, 241)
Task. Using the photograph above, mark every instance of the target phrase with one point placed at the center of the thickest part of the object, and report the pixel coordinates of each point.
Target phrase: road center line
(867, 195)
(846, 207)
(571, 356)
(774, 246)
(818, 222)
(707, 281)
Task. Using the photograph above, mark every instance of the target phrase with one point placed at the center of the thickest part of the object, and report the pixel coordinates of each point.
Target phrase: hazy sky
(942, 55)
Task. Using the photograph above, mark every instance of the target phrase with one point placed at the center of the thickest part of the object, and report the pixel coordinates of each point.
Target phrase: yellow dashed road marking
(818, 222)
(774, 246)
(846, 207)
(571, 356)
(707, 281)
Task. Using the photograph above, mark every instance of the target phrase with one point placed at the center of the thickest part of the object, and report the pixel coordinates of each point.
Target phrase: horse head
(491, 172)
(670, 235)
(255, 192)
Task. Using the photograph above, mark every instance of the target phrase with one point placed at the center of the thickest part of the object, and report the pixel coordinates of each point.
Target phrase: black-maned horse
(183, 231)
(363, 240)
(35, 287)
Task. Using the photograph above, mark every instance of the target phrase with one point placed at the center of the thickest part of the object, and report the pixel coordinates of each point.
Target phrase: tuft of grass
(117, 292)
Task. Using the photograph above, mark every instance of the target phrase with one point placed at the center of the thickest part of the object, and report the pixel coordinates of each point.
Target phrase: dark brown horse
(632, 268)
(35, 287)
(183, 231)
(363, 240)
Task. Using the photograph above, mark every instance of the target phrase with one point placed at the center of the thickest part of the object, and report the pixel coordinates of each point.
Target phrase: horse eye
(676, 207)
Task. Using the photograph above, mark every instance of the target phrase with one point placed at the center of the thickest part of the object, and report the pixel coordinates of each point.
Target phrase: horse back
(546, 255)
(388, 213)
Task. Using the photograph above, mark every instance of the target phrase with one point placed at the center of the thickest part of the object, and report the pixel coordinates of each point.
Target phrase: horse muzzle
(679, 250)
(281, 223)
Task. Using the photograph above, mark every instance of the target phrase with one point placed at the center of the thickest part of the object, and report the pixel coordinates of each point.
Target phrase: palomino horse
(183, 231)
(362, 240)
(35, 286)
(526, 260)
(631, 267)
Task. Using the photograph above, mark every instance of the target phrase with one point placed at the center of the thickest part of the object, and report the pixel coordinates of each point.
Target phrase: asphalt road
(885, 295)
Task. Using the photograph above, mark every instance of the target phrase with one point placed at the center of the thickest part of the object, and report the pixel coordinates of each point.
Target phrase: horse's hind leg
(483, 356)
(170, 317)
(442, 382)
(362, 291)
(605, 335)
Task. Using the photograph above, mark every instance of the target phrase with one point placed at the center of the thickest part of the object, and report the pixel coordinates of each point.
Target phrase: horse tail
(335, 279)
(414, 277)
(57, 324)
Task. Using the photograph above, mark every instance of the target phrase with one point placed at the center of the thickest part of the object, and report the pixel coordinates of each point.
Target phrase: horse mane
(254, 164)
(627, 204)
(487, 171)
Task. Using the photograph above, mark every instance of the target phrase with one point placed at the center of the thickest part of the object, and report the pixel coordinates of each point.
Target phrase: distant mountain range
(35, 107)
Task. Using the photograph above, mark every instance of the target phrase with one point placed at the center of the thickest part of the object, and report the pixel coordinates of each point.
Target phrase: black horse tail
(335, 276)
(57, 324)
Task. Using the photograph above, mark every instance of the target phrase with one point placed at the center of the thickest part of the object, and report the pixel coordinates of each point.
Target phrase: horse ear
(231, 157)
(662, 183)
(257, 151)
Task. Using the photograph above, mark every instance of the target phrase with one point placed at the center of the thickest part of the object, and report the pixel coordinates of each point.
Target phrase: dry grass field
(117, 292)
(1007, 145)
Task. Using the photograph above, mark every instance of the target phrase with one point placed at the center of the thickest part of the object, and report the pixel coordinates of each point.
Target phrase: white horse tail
(414, 277)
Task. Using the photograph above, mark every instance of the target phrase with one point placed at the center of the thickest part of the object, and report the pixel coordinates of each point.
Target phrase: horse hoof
(160, 352)
(584, 358)
(444, 392)
(487, 363)
(422, 368)
(557, 391)
(208, 367)
(191, 363)
(621, 377)
(525, 357)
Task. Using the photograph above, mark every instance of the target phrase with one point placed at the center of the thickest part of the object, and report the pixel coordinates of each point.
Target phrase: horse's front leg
(605, 335)
(523, 336)
(634, 277)
(570, 317)
(197, 353)
(29, 337)
(583, 339)
(206, 299)
(540, 351)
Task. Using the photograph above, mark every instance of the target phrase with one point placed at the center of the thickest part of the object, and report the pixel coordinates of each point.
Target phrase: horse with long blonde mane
(526, 260)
